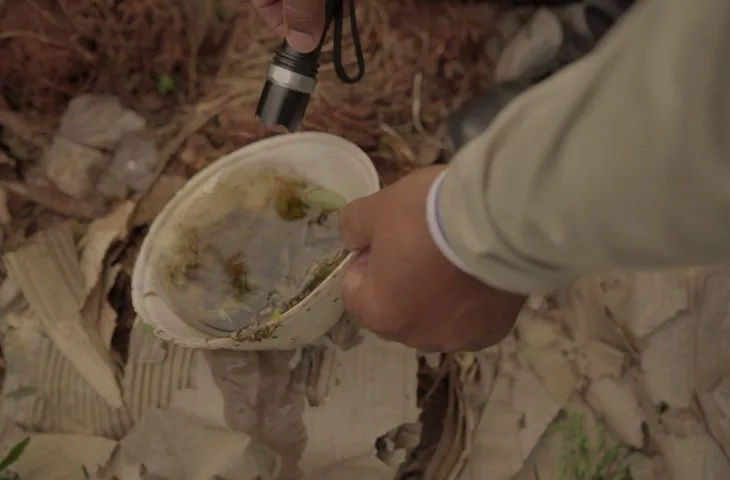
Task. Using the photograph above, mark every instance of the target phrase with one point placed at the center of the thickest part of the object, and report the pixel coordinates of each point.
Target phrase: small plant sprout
(583, 459)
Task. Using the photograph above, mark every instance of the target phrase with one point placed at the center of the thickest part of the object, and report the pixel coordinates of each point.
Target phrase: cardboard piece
(62, 401)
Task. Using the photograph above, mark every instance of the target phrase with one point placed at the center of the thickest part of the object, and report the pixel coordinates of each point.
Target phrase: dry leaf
(102, 233)
(656, 298)
(694, 454)
(162, 192)
(668, 362)
(55, 200)
(596, 360)
(5, 216)
(615, 401)
(9, 292)
(49, 275)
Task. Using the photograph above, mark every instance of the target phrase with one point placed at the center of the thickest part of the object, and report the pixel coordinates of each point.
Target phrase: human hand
(402, 288)
(301, 22)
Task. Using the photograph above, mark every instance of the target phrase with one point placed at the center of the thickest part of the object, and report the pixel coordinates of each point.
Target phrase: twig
(405, 146)
(15, 124)
(86, 55)
(55, 200)
(416, 106)
(200, 116)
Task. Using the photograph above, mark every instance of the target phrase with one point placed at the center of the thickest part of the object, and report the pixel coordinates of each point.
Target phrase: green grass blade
(14, 454)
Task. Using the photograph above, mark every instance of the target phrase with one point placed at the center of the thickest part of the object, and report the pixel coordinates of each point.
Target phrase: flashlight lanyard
(336, 15)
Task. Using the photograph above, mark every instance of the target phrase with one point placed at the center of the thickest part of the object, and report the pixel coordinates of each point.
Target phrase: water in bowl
(261, 241)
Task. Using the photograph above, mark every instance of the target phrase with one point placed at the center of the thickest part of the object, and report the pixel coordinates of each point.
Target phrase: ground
(91, 89)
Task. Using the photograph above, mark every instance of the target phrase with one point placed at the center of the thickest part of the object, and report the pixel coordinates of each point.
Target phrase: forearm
(621, 160)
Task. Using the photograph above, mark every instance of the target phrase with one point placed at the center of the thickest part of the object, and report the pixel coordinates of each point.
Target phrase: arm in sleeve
(620, 160)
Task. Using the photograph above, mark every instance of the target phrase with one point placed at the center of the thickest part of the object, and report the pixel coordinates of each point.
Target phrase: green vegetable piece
(323, 199)
(288, 205)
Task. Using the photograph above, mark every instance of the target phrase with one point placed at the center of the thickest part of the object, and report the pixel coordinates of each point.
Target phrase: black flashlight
(292, 75)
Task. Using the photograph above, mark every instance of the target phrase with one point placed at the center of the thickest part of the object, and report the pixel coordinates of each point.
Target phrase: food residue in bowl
(265, 241)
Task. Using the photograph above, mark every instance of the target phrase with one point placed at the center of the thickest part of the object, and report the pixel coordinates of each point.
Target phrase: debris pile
(113, 400)
(614, 377)
(209, 62)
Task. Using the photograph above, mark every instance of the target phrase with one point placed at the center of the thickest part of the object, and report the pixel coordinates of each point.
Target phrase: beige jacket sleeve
(620, 160)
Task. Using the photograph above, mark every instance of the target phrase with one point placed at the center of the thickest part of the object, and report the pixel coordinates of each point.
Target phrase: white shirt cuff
(434, 224)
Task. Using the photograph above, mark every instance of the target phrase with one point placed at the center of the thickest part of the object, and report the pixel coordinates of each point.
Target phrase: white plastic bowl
(327, 160)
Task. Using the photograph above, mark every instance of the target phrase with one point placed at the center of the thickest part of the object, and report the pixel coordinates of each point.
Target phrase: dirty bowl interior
(323, 159)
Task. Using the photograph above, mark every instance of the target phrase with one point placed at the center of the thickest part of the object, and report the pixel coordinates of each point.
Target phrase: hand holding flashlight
(292, 74)
(300, 22)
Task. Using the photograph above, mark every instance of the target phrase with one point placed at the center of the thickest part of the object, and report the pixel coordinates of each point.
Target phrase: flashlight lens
(281, 106)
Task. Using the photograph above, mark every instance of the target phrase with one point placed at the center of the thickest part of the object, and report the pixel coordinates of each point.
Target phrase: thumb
(304, 21)
(357, 220)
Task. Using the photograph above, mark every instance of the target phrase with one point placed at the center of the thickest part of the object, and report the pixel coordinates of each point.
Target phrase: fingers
(304, 20)
(357, 220)
(362, 298)
(271, 12)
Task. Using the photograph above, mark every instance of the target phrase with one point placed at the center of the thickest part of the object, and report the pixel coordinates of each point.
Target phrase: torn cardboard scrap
(62, 401)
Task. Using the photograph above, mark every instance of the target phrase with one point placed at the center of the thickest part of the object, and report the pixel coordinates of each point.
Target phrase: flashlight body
(291, 78)
(290, 81)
